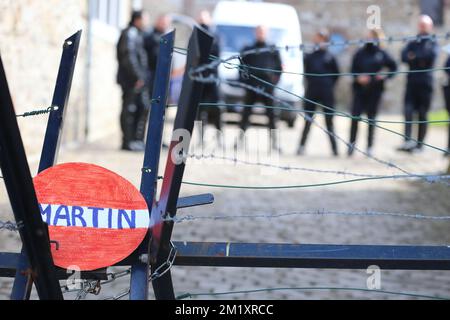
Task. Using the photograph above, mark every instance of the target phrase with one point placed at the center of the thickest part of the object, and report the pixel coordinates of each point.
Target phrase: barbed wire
(91, 286)
(249, 291)
(213, 79)
(291, 109)
(243, 67)
(358, 42)
(119, 296)
(429, 178)
(9, 226)
(317, 213)
(355, 42)
(38, 112)
(262, 92)
(368, 121)
(300, 186)
(216, 61)
(339, 74)
(95, 287)
(158, 273)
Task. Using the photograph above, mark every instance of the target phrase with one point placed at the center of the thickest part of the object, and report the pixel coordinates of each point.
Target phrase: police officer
(369, 63)
(267, 58)
(151, 44)
(320, 89)
(447, 98)
(132, 76)
(419, 55)
(212, 113)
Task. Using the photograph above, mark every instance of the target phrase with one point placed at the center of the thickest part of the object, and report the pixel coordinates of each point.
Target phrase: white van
(235, 23)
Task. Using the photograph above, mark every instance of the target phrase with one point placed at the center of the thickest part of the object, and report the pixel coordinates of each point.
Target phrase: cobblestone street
(393, 196)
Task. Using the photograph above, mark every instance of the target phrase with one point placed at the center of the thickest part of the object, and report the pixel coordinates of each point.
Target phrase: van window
(235, 38)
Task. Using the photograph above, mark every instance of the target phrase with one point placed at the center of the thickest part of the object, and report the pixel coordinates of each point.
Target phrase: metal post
(60, 99)
(282, 255)
(198, 53)
(19, 184)
(140, 269)
(23, 283)
(312, 256)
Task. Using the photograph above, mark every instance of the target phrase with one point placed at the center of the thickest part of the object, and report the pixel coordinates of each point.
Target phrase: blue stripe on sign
(91, 217)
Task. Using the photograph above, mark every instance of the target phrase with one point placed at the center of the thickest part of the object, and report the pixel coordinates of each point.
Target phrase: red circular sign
(96, 217)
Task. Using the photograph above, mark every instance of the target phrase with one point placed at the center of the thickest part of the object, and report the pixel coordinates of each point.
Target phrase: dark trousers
(447, 105)
(327, 99)
(365, 100)
(252, 98)
(133, 118)
(210, 114)
(151, 83)
(417, 102)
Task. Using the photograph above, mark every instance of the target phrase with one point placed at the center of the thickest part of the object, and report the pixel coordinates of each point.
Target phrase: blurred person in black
(447, 99)
(252, 63)
(320, 89)
(369, 62)
(419, 55)
(212, 113)
(151, 44)
(132, 77)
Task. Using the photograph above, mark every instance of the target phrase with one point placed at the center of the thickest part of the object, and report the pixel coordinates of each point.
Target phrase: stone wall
(31, 37)
(32, 33)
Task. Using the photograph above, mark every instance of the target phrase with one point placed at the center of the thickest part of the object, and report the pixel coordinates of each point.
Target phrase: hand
(411, 55)
(380, 77)
(363, 80)
(139, 84)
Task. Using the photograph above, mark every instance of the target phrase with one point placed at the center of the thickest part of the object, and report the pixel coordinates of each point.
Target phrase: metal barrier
(153, 260)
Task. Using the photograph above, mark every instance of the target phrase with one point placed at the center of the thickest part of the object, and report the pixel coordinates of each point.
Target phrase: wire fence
(299, 110)
(317, 213)
(262, 92)
(387, 40)
(9, 226)
(315, 46)
(83, 289)
(431, 179)
(368, 121)
(281, 187)
(306, 289)
(38, 112)
(197, 74)
(245, 68)
(95, 287)
(241, 66)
